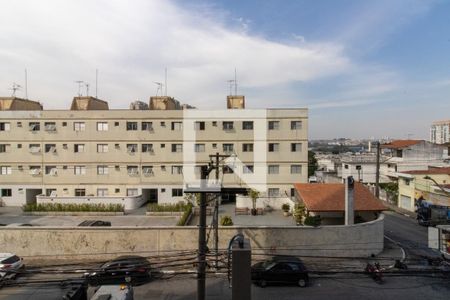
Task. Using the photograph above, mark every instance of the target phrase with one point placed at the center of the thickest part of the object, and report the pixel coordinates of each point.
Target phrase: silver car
(10, 263)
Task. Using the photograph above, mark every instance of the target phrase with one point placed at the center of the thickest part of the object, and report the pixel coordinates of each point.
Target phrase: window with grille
(296, 169)
(102, 170)
(247, 125)
(247, 147)
(227, 125)
(79, 126)
(274, 125)
(274, 169)
(147, 126)
(132, 125)
(177, 147)
(177, 192)
(296, 147)
(296, 125)
(199, 148)
(102, 148)
(274, 147)
(177, 126)
(79, 170)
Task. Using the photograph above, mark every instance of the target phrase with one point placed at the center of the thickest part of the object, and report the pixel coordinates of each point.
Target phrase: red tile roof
(330, 197)
(399, 144)
(431, 170)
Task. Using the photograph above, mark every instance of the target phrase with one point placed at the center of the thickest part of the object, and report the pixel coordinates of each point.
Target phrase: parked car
(135, 269)
(280, 270)
(10, 263)
(95, 223)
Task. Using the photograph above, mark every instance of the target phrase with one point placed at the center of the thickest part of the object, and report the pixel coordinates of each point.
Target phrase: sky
(364, 69)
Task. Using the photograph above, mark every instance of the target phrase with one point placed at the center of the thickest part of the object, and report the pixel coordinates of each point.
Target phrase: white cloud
(132, 42)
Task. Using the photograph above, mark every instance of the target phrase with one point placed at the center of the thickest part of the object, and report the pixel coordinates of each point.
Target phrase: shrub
(313, 221)
(185, 216)
(285, 207)
(180, 206)
(72, 207)
(226, 221)
(299, 213)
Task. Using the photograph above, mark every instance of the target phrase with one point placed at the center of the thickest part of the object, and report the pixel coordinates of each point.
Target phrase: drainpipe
(349, 183)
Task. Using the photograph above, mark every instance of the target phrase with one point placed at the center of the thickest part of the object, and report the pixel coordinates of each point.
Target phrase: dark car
(136, 269)
(280, 270)
(95, 223)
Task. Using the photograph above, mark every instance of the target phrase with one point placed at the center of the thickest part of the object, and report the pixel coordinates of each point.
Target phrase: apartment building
(440, 132)
(93, 154)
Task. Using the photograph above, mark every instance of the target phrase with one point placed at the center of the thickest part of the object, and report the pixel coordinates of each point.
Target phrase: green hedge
(313, 220)
(180, 206)
(185, 216)
(73, 207)
(226, 221)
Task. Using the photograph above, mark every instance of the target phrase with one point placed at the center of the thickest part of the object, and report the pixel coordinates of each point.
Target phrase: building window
(19, 146)
(132, 170)
(102, 192)
(132, 126)
(147, 126)
(214, 146)
(399, 153)
(102, 148)
(274, 125)
(177, 147)
(116, 191)
(274, 169)
(79, 170)
(177, 169)
(5, 126)
(296, 125)
(177, 126)
(227, 125)
(227, 170)
(247, 125)
(5, 148)
(6, 193)
(163, 124)
(214, 123)
(247, 147)
(296, 147)
(199, 147)
(50, 148)
(79, 126)
(64, 124)
(292, 192)
(5, 170)
(345, 166)
(274, 192)
(51, 170)
(50, 126)
(177, 192)
(102, 126)
(80, 192)
(132, 192)
(147, 170)
(35, 170)
(78, 148)
(34, 148)
(199, 125)
(406, 181)
(116, 124)
(117, 146)
(147, 148)
(248, 169)
(274, 147)
(296, 169)
(34, 126)
(228, 148)
(163, 145)
(50, 192)
(102, 170)
(132, 148)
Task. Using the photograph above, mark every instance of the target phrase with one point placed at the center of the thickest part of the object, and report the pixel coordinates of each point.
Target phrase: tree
(254, 195)
(312, 163)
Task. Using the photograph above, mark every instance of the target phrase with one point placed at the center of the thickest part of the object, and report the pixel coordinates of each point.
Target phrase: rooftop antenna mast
(235, 82)
(26, 84)
(165, 82)
(96, 82)
(87, 88)
(159, 87)
(15, 87)
(80, 84)
(231, 83)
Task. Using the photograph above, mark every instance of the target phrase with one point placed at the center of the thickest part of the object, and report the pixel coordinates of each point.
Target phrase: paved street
(412, 237)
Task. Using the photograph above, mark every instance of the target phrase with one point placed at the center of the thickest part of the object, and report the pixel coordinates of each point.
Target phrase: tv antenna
(87, 88)
(80, 84)
(233, 83)
(159, 87)
(15, 87)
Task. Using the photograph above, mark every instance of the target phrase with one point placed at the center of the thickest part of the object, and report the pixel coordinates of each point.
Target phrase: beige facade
(119, 153)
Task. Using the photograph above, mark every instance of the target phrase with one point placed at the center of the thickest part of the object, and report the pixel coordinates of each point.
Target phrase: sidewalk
(399, 210)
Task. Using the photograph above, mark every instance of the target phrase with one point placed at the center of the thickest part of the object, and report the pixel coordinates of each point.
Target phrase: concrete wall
(103, 243)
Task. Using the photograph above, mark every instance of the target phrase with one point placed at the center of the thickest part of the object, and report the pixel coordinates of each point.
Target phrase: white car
(10, 262)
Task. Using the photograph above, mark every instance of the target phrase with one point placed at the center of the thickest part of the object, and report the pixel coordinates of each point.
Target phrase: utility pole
(377, 175)
(201, 258)
(216, 216)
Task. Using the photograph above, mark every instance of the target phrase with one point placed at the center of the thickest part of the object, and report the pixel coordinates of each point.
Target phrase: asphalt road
(412, 237)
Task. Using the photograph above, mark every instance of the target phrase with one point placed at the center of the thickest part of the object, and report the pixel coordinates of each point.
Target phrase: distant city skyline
(363, 68)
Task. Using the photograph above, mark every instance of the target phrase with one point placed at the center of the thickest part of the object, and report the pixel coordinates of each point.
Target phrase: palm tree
(254, 195)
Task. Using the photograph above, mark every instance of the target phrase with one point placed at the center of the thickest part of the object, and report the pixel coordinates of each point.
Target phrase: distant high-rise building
(440, 132)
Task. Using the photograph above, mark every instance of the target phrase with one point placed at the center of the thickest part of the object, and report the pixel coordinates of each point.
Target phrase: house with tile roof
(328, 201)
(431, 185)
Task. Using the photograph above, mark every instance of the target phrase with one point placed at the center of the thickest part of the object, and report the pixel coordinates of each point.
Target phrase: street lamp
(437, 184)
